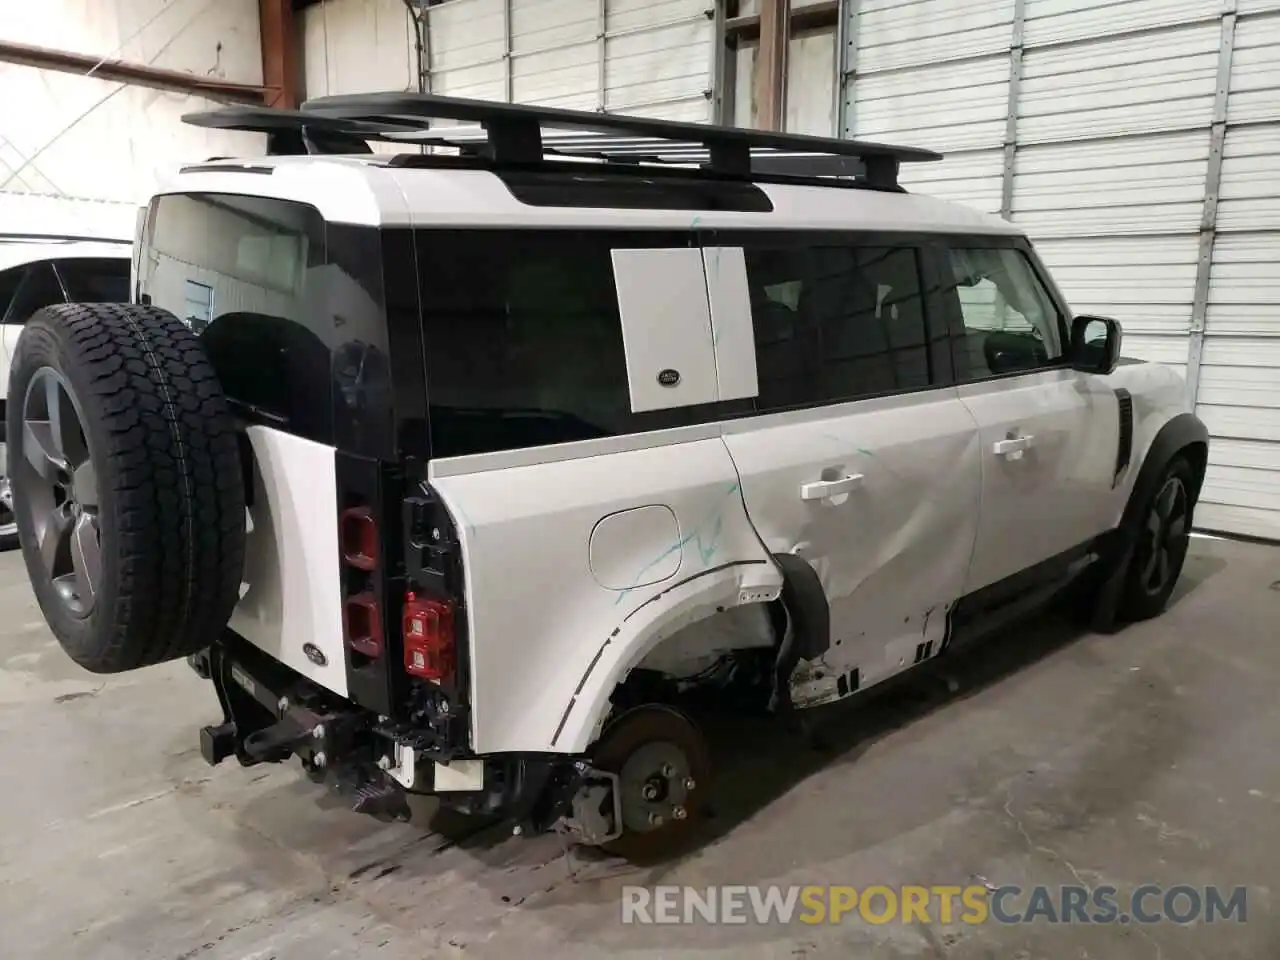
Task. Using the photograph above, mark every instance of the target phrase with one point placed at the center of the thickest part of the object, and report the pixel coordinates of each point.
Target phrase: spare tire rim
(59, 490)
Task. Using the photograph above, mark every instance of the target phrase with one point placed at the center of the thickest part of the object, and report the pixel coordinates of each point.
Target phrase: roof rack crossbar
(506, 133)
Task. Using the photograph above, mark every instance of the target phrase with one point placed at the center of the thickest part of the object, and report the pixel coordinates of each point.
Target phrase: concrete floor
(1146, 757)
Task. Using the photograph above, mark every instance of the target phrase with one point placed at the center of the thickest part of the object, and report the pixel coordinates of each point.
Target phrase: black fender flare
(1184, 431)
(806, 605)
(1182, 434)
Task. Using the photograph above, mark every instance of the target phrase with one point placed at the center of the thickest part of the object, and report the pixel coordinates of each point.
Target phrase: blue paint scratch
(705, 538)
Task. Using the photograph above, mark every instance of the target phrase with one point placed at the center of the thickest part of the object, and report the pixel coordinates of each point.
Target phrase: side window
(38, 289)
(1010, 324)
(523, 339)
(94, 279)
(836, 321)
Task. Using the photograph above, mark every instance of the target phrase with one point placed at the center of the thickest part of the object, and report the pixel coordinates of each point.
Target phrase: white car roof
(17, 251)
(367, 191)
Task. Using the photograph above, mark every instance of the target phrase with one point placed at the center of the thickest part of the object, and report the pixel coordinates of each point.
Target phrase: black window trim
(939, 253)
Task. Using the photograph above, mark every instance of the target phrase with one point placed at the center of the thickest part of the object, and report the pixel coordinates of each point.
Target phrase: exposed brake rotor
(663, 768)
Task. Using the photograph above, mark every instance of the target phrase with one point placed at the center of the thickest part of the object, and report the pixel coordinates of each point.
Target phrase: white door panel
(881, 497)
(1049, 441)
(549, 606)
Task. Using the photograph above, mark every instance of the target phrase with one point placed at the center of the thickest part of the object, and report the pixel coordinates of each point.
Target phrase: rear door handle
(1011, 445)
(825, 489)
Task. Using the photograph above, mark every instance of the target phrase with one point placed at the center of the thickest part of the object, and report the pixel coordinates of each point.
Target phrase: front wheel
(1163, 537)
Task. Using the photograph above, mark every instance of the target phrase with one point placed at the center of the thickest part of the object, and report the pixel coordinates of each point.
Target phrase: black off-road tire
(171, 514)
(1137, 601)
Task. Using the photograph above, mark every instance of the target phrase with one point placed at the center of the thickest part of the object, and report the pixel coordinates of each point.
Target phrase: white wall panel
(1147, 283)
(90, 139)
(1112, 187)
(1058, 21)
(1255, 74)
(357, 46)
(971, 178)
(1250, 188)
(951, 107)
(811, 83)
(893, 34)
(1119, 87)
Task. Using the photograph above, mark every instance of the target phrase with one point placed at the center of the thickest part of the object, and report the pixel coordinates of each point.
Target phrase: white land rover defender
(489, 453)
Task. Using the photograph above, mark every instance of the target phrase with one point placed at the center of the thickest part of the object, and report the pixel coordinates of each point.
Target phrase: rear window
(291, 312)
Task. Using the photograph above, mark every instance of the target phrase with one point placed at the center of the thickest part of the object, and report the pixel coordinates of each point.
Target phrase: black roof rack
(506, 133)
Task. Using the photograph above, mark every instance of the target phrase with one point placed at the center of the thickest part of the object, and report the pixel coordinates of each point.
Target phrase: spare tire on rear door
(128, 490)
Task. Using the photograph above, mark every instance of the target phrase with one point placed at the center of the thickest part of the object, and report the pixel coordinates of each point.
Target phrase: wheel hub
(1165, 536)
(56, 491)
(661, 764)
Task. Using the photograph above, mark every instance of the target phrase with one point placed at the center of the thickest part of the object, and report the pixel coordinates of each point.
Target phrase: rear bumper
(271, 713)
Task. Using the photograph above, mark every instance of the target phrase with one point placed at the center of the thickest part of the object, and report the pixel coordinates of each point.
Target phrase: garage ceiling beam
(157, 78)
(280, 58)
(813, 16)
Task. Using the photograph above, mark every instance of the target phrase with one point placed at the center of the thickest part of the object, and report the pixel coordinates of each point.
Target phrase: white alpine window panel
(1239, 385)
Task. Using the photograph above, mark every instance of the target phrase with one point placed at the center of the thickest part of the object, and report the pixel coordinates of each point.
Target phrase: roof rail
(506, 133)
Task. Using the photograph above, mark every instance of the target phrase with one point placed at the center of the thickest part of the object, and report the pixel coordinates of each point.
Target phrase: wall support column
(1209, 210)
(1011, 118)
(847, 69)
(278, 35)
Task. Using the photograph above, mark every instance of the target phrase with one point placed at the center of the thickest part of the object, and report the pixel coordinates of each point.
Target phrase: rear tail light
(428, 638)
(363, 624)
(358, 533)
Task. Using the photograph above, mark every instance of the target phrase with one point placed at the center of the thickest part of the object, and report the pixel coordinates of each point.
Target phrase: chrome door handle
(1011, 445)
(824, 489)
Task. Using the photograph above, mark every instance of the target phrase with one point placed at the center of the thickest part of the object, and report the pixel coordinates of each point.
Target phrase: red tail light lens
(428, 638)
(358, 533)
(363, 625)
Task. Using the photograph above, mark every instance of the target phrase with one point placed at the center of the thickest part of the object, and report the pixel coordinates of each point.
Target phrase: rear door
(1049, 434)
(862, 461)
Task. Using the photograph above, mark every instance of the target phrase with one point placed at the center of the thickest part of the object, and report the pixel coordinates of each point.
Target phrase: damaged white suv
(480, 459)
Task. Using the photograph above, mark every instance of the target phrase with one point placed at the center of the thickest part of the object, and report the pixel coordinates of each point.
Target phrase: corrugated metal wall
(636, 56)
(1137, 141)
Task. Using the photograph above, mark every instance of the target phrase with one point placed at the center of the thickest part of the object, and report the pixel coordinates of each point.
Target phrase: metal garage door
(649, 57)
(1238, 362)
(1109, 127)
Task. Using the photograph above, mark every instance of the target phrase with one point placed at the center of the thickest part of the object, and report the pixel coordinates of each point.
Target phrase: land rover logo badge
(669, 377)
(315, 654)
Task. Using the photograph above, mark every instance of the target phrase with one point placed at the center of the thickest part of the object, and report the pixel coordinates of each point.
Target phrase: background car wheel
(8, 526)
(1163, 538)
(128, 492)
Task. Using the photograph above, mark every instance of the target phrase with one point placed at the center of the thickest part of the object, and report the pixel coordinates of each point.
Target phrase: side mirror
(1095, 344)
